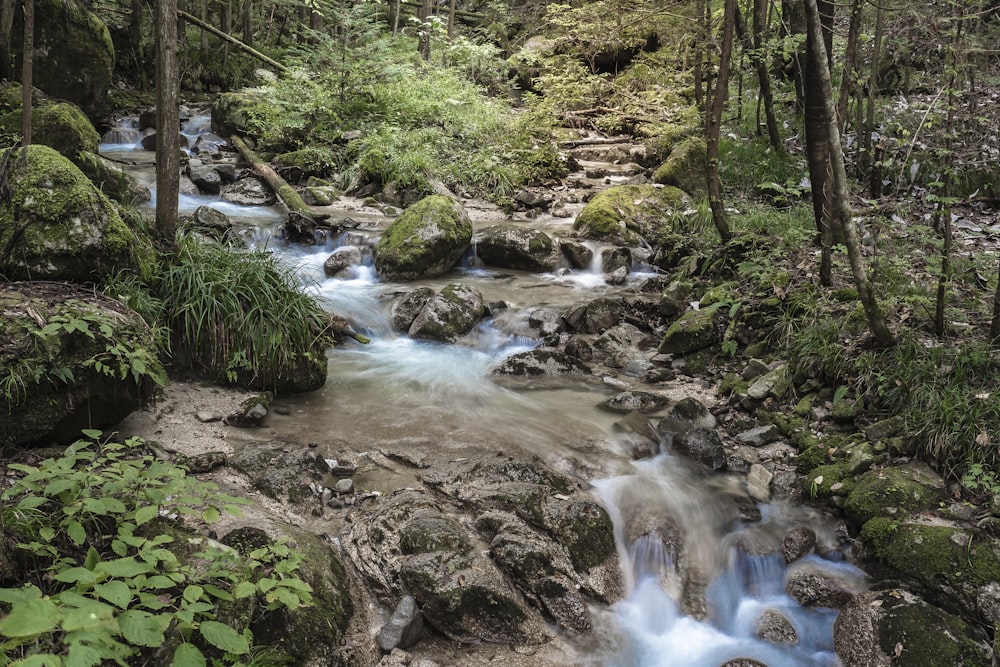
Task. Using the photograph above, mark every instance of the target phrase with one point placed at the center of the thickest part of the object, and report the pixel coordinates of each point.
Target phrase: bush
(96, 536)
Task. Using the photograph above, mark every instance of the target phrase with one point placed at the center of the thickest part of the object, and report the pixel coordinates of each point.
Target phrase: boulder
(58, 125)
(799, 542)
(449, 314)
(249, 191)
(774, 627)
(280, 471)
(516, 247)
(616, 259)
(211, 223)
(204, 177)
(812, 585)
(685, 167)
(895, 627)
(626, 213)
(74, 57)
(72, 359)
(701, 445)
(694, 330)
(57, 226)
(598, 316)
(895, 492)
(342, 259)
(113, 181)
(643, 401)
(425, 241)
(406, 308)
(620, 344)
(578, 255)
(251, 411)
(542, 361)
(404, 628)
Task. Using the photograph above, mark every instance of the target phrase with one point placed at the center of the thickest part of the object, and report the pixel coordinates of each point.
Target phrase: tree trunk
(135, 34)
(168, 149)
(850, 61)
(713, 125)
(754, 46)
(424, 40)
(226, 23)
(246, 19)
(867, 160)
(995, 324)
(451, 20)
(204, 33)
(7, 9)
(816, 124)
(26, 71)
(281, 188)
(841, 217)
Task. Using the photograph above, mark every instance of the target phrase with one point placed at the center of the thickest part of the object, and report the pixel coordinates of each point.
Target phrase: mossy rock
(685, 168)
(694, 330)
(425, 241)
(74, 56)
(516, 247)
(584, 528)
(625, 213)
(450, 314)
(305, 163)
(951, 563)
(870, 630)
(827, 481)
(112, 181)
(68, 355)
(57, 226)
(58, 125)
(895, 492)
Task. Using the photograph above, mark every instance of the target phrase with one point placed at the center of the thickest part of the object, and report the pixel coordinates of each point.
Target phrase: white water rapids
(399, 389)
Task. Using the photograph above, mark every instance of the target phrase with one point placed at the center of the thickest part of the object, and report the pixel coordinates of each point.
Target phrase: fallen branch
(285, 192)
(232, 40)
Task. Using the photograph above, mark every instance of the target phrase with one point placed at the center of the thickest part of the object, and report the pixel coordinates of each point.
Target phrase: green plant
(981, 478)
(110, 573)
(209, 288)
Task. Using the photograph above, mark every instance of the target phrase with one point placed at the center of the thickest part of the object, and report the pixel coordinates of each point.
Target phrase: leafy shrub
(95, 536)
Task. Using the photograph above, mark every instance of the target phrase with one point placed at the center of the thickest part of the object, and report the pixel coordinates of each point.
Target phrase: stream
(400, 390)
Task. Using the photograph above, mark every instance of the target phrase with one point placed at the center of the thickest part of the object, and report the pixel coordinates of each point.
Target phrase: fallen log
(285, 192)
(232, 40)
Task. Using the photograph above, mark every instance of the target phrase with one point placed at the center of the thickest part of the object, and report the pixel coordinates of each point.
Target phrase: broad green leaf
(57, 486)
(218, 593)
(91, 433)
(244, 590)
(142, 628)
(82, 655)
(188, 655)
(193, 593)
(285, 597)
(76, 532)
(38, 661)
(93, 558)
(123, 567)
(76, 575)
(33, 617)
(154, 602)
(159, 581)
(223, 637)
(86, 618)
(31, 502)
(14, 596)
(146, 514)
(210, 515)
(266, 583)
(116, 592)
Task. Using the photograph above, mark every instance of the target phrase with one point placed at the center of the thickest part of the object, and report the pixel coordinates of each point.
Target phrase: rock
(774, 627)
(687, 414)
(773, 383)
(58, 390)
(309, 161)
(760, 436)
(613, 259)
(341, 259)
(625, 213)
(579, 348)
(685, 167)
(204, 176)
(249, 191)
(813, 586)
(425, 241)
(895, 492)
(950, 563)
(344, 486)
(599, 315)
(201, 463)
(703, 446)
(620, 344)
(887, 428)
(404, 628)
(896, 627)
(211, 223)
(759, 483)
(516, 247)
(743, 662)
(406, 309)
(58, 125)
(542, 361)
(754, 369)
(251, 411)
(578, 254)
(450, 314)
(617, 277)
(323, 195)
(208, 416)
(530, 199)
(60, 227)
(278, 471)
(74, 57)
(112, 180)
(799, 542)
(643, 401)
(694, 330)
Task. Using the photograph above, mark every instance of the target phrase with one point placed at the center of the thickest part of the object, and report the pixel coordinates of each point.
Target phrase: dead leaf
(983, 439)
(899, 649)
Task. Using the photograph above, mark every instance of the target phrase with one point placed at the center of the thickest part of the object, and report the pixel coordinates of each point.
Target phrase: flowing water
(400, 390)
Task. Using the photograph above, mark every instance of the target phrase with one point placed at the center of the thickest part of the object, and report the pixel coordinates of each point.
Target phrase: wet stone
(773, 626)
(799, 542)
(404, 628)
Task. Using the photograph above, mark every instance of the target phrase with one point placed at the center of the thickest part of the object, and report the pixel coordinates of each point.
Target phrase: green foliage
(239, 311)
(981, 478)
(110, 577)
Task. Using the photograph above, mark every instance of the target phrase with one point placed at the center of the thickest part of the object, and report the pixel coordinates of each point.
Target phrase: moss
(930, 637)
(938, 557)
(426, 534)
(307, 162)
(733, 383)
(890, 492)
(719, 294)
(71, 230)
(624, 213)
(828, 480)
(58, 125)
(693, 331)
(685, 168)
(426, 240)
(584, 528)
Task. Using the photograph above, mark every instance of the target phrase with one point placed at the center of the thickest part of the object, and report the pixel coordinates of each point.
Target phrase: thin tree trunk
(168, 161)
(135, 34)
(850, 60)
(181, 29)
(246, 18)
(204, 33)
(841, 217)
(451, 20)
(7, 9)
(995, 324)
(26, 71)
(866, 158)
(424, 40)
(754, 46)
(713, 124)
(816, 124)
(226, 23)
(235, 42)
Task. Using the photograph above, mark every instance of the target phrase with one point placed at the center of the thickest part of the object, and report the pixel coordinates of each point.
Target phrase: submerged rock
(515, 247)
(449, 314)
(425, 241)
(542, 361)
